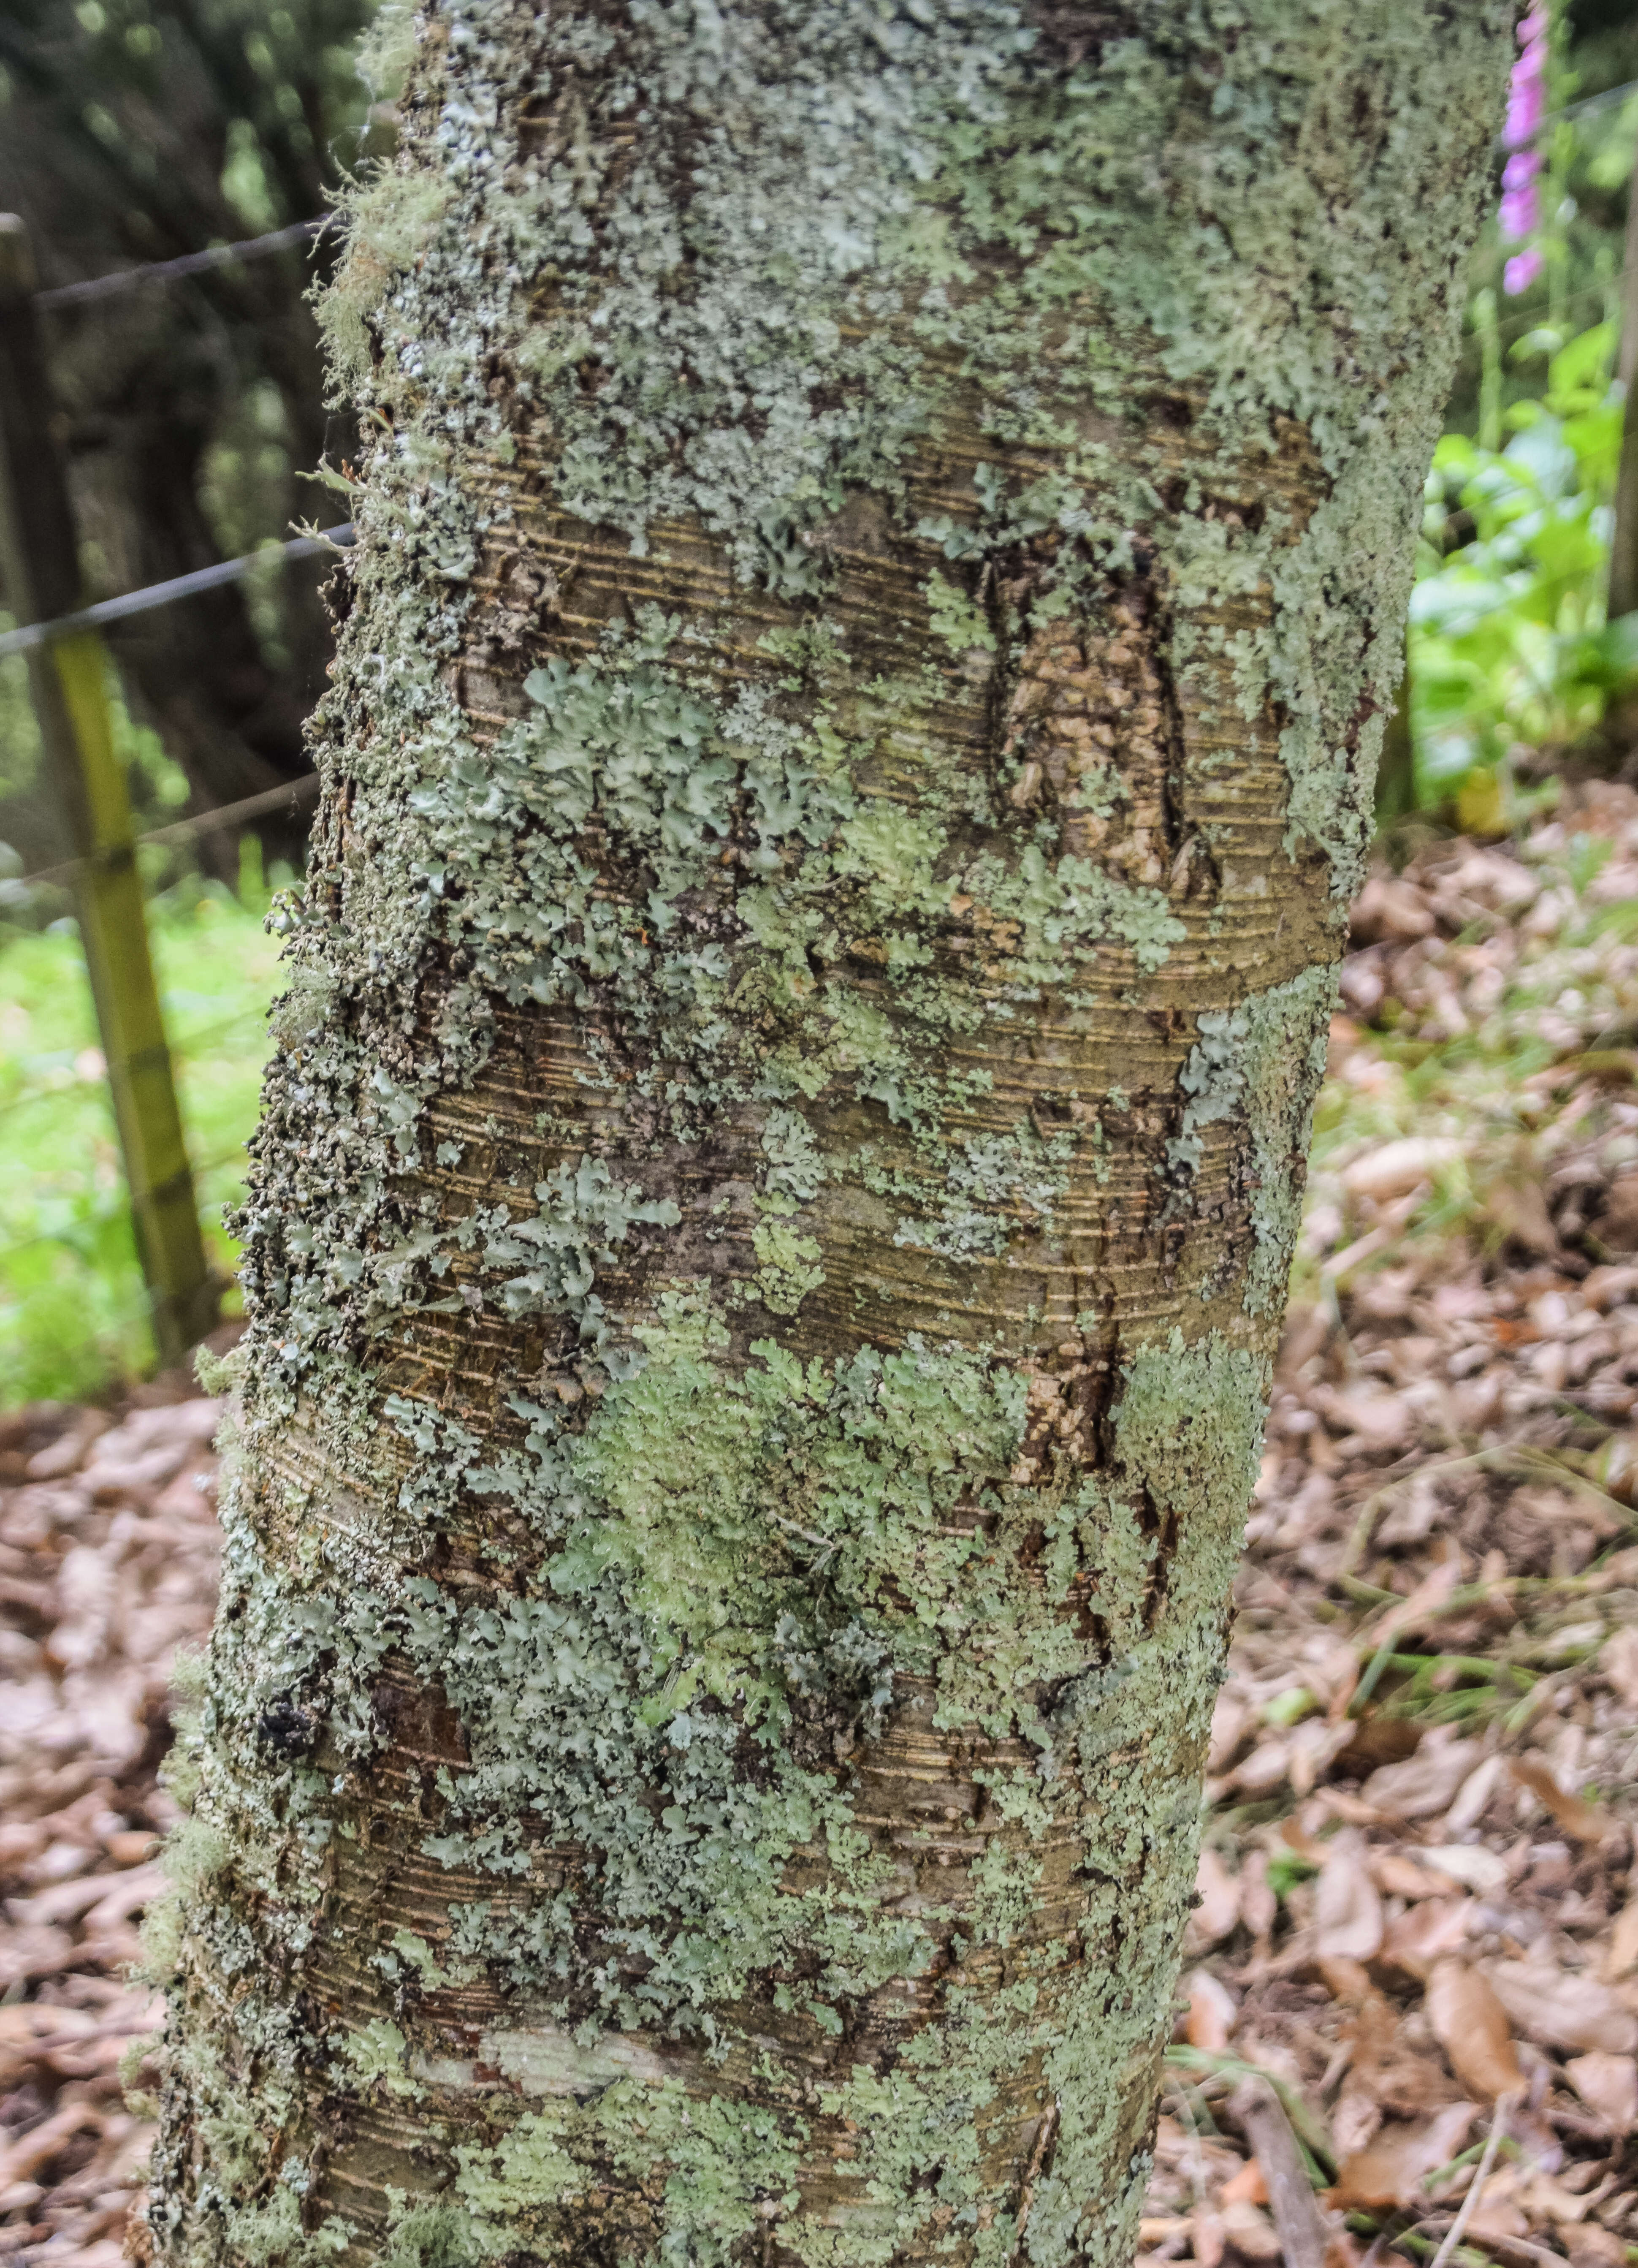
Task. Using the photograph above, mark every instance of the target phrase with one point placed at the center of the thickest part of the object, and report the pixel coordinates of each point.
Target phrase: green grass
(72, 1311)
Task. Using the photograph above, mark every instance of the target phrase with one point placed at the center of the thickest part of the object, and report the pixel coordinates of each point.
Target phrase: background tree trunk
(884, 562)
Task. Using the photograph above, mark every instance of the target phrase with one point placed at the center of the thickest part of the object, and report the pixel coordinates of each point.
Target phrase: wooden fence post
(40, 578)
(1623, 586)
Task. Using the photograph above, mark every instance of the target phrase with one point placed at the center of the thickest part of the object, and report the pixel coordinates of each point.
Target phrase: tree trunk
(883, 561)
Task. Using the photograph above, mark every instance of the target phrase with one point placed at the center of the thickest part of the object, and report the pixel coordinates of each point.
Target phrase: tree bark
(883, 566)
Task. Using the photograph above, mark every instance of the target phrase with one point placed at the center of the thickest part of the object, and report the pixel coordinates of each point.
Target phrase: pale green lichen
(1258, 1066)
(738, 876)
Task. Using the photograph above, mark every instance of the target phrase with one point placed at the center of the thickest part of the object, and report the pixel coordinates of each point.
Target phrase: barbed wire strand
(107, 1220)
(295, 794)
(180, 586)
(75, 1088)
(119, 280)
(1586, 107)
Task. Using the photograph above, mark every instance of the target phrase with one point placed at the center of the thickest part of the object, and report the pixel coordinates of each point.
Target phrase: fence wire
(180, 586)
(121, 280)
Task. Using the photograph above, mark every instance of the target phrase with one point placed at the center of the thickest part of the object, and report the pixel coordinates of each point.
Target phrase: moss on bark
(881, 560)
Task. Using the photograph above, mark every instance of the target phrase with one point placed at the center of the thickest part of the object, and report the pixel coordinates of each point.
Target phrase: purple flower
(1526, 107)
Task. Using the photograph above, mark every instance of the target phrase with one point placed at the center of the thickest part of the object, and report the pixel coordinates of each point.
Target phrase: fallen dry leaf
(1470, 1864)
(1423, 1784)
(1473, 1798)
(1422, 1605)
(1618, 1660)
(1414, 1939)
(1391, 2169)
(1259, 1906)
(1402, 1877)
(1250, 2231)
(1544, 2198)
(1470, 2024)
(1264, 1768)
(1248, 2184)
(1346, 1981)
(1357, 2119)
(1348, 1907)
(1209, 2239)
(1588, 1823)
(1588, 2246)
(1608, 2085)
(1393, 1169)
(1211, 2013)
(1622, 1955)
(1560, 2009)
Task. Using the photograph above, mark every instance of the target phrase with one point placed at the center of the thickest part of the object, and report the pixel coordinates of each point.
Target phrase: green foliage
(71, 1304)
(1507, 640)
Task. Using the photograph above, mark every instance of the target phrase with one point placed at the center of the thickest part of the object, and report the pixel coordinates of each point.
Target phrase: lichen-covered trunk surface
(884, 543)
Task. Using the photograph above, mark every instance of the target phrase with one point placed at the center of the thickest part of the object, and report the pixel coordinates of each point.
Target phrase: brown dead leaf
(1264, 1768)
(1414, 1939)
(1561, 2009)
(1346, 1981)
(1621, 1957)
(1259, 1906)
(1515, 1203)
(1250, 2231)
(1468, 1864)
(1231, 1718)
(33, 1951)
(1422, 1605)
(1357, 2119)
(1347, 1907)
(1608, 2085)
(1618, 1660)
(1210, 2240)
(1471, 2025)
(1373, 1413)
(1393, 1169)
(1162, 2228)
(1588, 1823)
(1544, 2198)
(1248, 2185)
(1424, 1784)
(24, 2157)
(1314, 1746)
(1211, 2013)
(1588, 2246)
(1473, 1798)
(1390, 2170)
(1400, 1877)
(1391, 2070)
(1351, 1808)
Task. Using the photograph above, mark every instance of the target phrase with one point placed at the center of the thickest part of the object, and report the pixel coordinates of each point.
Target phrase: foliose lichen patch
(882, 541)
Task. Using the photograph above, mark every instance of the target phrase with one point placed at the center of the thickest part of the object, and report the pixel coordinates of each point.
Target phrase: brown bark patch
(1093, 727)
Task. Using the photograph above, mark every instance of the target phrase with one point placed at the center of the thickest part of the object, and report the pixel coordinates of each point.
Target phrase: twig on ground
(1475, 2188)
(1304, 2236)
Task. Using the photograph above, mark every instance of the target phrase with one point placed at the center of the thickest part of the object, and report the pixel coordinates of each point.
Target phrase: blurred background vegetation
(193, 418)
(192, 413)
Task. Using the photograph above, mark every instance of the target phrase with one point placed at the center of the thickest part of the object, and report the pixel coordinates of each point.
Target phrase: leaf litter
(1408, 2023)
(1415, 1900)
(108, 1559)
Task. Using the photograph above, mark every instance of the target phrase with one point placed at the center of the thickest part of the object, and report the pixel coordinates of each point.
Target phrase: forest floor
(1409, 2014)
